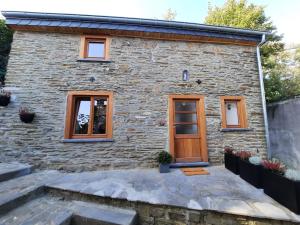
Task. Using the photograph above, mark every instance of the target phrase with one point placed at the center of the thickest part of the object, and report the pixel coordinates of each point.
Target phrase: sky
(285, 14)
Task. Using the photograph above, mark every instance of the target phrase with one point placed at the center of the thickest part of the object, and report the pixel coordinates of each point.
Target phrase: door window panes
(186, 129)
(185, 106)
(185, 117)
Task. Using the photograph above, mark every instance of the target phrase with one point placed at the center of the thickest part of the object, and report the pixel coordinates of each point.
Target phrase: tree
(238, 13)
(6, 36)
(169, 15)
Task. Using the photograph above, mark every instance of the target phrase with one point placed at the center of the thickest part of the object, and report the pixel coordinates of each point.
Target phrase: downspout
(262, 91)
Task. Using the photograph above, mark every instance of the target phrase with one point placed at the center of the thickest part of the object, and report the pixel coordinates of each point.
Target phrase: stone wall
(284, 130)
(43, 67)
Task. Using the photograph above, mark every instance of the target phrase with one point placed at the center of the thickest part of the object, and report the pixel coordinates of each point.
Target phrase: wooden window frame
(69, 125)
(241, 108)
(84, 44)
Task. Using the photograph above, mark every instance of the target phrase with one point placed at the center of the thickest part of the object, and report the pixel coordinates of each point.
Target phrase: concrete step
(12, 170)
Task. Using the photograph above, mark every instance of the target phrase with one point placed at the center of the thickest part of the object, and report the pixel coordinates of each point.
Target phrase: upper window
(89, 115)
(94, 47)
(233, 112)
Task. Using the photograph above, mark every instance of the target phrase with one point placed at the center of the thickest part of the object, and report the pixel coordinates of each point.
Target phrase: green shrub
(164, 157)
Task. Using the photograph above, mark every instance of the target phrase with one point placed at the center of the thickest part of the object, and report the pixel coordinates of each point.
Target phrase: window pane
(185, 117)
(99, 126)
(186, 129)
(185, 106)
(82, 115)
(96, 49)
(232, 113)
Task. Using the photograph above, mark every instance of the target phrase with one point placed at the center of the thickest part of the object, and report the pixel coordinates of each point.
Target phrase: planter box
(232, 163)
(251, 173)
(164, 168)
(283, 190)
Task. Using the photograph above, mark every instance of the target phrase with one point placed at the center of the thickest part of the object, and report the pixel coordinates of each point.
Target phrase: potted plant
(4, 97)
(251, 169)
(294, 175)
(164, 159)
(25, 115)
(231, 160)
(278, 186)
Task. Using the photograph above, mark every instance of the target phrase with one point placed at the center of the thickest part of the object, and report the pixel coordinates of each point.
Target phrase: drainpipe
(262, 91)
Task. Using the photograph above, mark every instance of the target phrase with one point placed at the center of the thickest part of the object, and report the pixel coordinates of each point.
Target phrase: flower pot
(282, 189)
(251, 173)
(164, 168)
(4, 100)
(26, 117)
(231, 163)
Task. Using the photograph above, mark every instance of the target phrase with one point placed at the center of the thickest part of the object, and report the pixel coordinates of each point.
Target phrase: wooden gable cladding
(138, 34)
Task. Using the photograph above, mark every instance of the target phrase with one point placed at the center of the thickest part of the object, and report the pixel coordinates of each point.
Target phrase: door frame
(202, 120)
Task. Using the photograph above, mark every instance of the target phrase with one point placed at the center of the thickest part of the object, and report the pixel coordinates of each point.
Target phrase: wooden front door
(187, 128)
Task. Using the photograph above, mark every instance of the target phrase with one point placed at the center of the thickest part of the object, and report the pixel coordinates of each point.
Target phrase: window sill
(235, 129)
(87, 140)
(93, 60)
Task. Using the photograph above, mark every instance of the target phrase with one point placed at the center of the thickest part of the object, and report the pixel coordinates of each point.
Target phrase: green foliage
(164, 157)
(255, 160)
(281, 80)
(6, 36)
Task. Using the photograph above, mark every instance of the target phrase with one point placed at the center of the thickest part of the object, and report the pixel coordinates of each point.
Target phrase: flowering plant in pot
(4, 97)
(250, 168)
(279, 186)
(25, 115)
(231, 160)
(164, 159)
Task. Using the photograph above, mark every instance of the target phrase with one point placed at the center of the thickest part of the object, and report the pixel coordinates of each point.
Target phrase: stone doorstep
(13, 170)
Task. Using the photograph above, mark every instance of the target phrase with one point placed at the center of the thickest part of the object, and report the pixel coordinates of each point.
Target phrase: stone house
(112, 92)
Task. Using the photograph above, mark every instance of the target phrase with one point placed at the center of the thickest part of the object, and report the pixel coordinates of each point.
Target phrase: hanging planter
(25, 115)
(4, 98)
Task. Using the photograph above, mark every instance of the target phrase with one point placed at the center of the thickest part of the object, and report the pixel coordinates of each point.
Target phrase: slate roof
(128, 24)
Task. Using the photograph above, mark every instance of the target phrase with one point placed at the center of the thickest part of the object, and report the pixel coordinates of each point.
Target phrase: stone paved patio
(220, 191)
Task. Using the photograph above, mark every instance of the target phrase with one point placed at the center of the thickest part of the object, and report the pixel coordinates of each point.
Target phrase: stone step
(50, 210)
(13, 170)
(188, 164)
(91, 213)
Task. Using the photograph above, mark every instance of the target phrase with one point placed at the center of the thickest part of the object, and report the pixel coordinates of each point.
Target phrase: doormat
(194, 171)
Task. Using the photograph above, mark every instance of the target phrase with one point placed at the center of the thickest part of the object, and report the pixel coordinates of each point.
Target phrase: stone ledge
(235, 129)
(93, 60)
(87, 140)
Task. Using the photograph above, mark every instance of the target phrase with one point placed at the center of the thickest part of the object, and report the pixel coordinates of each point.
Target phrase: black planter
(251, 173)
(283, 190)
(27, 117)
(164, 168)
(232, 163)
(4, 100)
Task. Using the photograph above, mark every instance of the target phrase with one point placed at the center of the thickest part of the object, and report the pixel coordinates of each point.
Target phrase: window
(94, 48)
(89, 115)
(233, 112)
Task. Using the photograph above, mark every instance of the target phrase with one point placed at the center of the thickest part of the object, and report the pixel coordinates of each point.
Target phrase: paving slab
(14, 169)
(220, 191)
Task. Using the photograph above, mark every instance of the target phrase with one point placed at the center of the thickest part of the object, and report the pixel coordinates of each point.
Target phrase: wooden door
(187, 128)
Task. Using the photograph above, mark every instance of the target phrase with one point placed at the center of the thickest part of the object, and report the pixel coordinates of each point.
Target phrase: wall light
(185, 75)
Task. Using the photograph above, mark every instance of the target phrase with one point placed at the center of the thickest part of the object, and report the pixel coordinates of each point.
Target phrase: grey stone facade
(43, 67)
